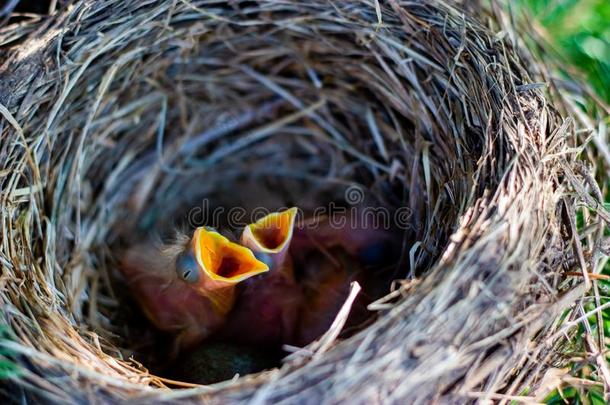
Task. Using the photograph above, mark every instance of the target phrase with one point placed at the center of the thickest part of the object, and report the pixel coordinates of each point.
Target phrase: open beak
(224, 261)
(270, 234)
(223, 264)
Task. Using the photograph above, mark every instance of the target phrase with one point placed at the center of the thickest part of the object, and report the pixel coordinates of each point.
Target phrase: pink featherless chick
(329, 255)
(189, 288)
(267, 308)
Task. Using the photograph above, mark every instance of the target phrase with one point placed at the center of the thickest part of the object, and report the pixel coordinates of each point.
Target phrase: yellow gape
(223, 260)
(224, 264)
(271, 233)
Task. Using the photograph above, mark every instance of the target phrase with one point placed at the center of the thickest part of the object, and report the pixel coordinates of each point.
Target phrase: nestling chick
(369, 244)
(328, 257)
(325, 287)
(266, 310)
(188, 289)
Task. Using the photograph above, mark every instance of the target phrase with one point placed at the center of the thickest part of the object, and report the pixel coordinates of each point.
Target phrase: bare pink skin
(268, 304)
(266, 310)
(325, 291)
(354, 238)
(274, 308)
(169, 303)
(328, 259)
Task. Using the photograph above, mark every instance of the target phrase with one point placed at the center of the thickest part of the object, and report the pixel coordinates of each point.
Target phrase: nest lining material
(120, 114)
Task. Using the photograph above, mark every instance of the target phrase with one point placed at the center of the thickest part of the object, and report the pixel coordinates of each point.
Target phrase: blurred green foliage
(571, 395)
(580, 31)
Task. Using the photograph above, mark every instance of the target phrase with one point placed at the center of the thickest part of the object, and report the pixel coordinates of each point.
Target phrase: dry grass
(120, 115)
(580, 335)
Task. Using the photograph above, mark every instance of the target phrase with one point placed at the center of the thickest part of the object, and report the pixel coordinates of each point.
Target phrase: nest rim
(510, 192)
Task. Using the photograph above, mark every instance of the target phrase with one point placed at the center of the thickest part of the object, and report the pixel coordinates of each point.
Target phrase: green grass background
(580, 31)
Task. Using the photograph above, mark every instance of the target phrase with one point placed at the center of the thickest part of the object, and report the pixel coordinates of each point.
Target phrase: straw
(120, 116)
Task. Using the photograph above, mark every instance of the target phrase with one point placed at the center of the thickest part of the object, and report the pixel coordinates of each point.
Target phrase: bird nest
(127, 118)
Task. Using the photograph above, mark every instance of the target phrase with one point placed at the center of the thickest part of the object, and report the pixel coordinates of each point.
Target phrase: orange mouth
(223, 260)
(271, 233)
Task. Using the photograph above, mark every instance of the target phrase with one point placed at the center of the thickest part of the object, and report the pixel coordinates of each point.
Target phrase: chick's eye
(187, 268)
